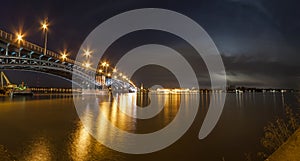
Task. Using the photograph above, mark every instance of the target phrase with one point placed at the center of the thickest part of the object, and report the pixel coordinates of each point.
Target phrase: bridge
(19, 54)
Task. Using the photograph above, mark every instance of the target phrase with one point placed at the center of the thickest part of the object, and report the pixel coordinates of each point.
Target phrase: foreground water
(47, 127)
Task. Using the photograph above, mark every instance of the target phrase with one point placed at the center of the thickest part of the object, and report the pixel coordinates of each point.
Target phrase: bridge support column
(19, 54)
(20, 49)
(30, 54)
(6, 50)
(2, 84)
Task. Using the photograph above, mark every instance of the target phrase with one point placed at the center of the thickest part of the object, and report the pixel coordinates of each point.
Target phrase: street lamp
(64, 56)
(87, 64)
(45, 25)
(87, 53)
(19, 37)
(105, 65)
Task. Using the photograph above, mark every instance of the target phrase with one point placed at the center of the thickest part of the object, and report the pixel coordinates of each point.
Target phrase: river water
(47, 127)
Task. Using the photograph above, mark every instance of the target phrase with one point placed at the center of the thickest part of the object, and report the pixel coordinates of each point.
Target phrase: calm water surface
(48, 128)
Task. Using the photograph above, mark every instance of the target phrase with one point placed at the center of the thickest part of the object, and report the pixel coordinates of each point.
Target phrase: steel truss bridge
(24, 55)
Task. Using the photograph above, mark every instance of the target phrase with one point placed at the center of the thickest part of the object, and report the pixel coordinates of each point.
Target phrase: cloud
(257, 71)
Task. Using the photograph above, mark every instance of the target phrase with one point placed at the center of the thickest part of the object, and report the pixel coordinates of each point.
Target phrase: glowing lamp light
(19, 37)
(87, 53)
(87, 64)
(45, 26)
(103, 64)
(64, 56)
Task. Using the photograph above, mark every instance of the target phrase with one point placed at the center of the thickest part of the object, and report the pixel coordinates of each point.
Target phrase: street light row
(105, 66)
(64, 55)
(44, 26)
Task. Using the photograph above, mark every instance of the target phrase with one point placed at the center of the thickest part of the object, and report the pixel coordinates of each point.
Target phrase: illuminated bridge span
(18, 54)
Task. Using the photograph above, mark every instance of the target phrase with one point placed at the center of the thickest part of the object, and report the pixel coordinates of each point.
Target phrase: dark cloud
(256, 71)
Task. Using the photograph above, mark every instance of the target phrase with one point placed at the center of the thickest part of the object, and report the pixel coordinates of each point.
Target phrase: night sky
(259, 39)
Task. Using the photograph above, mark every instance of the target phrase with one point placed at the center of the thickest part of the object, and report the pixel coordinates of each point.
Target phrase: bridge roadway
(24, 55)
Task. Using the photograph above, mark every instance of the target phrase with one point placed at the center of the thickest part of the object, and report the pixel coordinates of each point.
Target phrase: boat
(21, 90)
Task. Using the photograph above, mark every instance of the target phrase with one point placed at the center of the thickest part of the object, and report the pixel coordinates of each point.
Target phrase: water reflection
(39, 150)
(81, 141)
(44, 128)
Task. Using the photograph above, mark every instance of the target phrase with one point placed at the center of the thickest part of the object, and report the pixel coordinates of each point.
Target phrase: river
(47, 127)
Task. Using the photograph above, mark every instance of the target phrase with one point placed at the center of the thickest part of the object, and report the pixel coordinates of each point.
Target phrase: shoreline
(289, 150)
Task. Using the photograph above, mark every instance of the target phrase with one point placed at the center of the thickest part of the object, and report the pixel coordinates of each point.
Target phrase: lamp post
(105, 65)
(87, 53)
(19, 40)
(45, 30)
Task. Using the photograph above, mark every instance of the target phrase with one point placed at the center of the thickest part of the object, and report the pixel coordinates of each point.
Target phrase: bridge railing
(31, 46)
(12, 39)
(6, 35)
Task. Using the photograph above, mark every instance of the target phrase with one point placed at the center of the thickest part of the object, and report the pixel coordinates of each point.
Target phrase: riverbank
(289, 150)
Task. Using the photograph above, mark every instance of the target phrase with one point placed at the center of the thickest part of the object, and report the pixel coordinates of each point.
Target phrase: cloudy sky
(259, 39)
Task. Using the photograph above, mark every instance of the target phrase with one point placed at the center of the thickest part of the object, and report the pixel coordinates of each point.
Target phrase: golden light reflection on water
(95, 113)
(117, 113)
(39, 150)
(81, 139)
(46, 140)
(111, 111)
